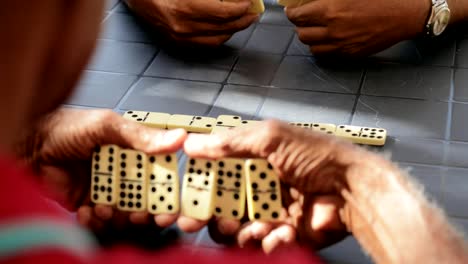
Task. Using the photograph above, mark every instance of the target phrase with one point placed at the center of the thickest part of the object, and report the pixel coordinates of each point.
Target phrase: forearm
(394, 222)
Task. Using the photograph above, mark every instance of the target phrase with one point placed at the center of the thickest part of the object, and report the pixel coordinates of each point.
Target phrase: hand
(60, 150)
(204, 22)
(357, 28)
(312, 169)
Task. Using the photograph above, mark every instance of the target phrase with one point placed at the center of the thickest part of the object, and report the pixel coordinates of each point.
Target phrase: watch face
(441, 21)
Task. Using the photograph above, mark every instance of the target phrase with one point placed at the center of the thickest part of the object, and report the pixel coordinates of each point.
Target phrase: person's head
(45, 46)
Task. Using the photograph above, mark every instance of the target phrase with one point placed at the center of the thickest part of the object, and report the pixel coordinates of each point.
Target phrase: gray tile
(456, 192)
(461, 224)
(347, 251)
(125, 27)
(305, 73)
(297, 106)
(456, 154)
(239, 100)
(199, 66)
(254, 68)
(406, 81)
(430, 177)
(204, 240)
(461, 85)
(124, 57)
(414, 150)
(270, 39)
(403, 117)
(462, 53)
(298, 48)
(172, 96)
(459, 129)
(99, 89)
(275, 15)
(437, 52)
(239, 39)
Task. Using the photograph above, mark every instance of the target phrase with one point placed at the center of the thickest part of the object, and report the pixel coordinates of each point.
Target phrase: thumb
(130, 134)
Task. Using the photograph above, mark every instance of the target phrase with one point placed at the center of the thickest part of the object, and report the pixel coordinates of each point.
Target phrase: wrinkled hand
(312, 169)
(60, 152)
(204, 22)
(357, 28)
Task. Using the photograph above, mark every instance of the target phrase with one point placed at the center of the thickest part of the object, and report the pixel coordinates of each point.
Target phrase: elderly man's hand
(60, 150)
(357, 28)
(312, 167)
(204, 22)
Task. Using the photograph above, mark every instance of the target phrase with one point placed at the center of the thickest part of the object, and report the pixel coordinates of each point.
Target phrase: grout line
(358, 95)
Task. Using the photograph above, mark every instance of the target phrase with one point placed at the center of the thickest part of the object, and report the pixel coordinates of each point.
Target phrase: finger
(223, 230)
(165, 220)
(213, 29)
(104, 212)
(219, 10)
(310, 14)
(254, 231)
(325, 213)
(128, 133)
(280, 237)
(190, 225)
(140, 218)
(204, 41)
(313, 35)
(87, 218)
(324, 49)
(253, 141)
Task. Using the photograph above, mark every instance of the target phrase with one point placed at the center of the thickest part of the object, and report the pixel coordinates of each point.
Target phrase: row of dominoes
(134, 181)
(202, 124)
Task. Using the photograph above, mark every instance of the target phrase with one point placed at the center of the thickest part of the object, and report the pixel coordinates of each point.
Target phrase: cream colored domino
(249, 122)
(104, 179)
(323, 127)
(197, 124)
(228, 121)
(300, 124)
(163, 184)
(151, 119)
(132, 179)
(362, 135)
(263, 191)
(220, 129)
(230, 189)
(198, 189)
(293, 2)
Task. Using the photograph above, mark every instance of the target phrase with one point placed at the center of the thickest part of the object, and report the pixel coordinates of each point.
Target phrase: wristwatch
(439, 18)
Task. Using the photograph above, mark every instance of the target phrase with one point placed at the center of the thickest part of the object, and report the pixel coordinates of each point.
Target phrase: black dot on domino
(130, 195)
(207, 182)
(273, 197)
(262, 175)
(97, 149)
(154, 207)
(219, 193)
(208, 165)
(238, 175)
(109, 180)
(103, 189)
(192, 162)
(199, 172)
(96, 188)
(139, 157)
(191, 170)
(220, 173)
(168, 158)
(254, 185)
(152, 159)
(130, 186)
(274, 215)
(139, 166)
(138, 205)
(122, 203)
(169, 189)
(272, 184)
(265, 206)
(189, 179)
(253, 168)
(111, 159)
(109, 189)
(235, 213)
(130, 204)
(220, 181)
(236, 196)
(109, 198)
(169, 207)
(123, 156)
(238, 167)
(123, 173)
(153, 189)
(152, 177)
(237, 184)
(96, 179)
(139, 175)
(218, 210)
(255, 198)
(169, 176)
(138, 196)
(96, 157)
(122, 186)
(257, 216)
(123, 164)
(96, 167)
(161, 198)
(229, 174)
(195, 202)
(111, 150)
(110, 168)
(95, 196)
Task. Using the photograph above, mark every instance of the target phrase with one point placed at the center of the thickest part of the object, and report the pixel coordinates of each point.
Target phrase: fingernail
(173, 135)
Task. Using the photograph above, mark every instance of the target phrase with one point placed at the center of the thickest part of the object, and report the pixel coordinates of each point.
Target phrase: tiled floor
(418, 90)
